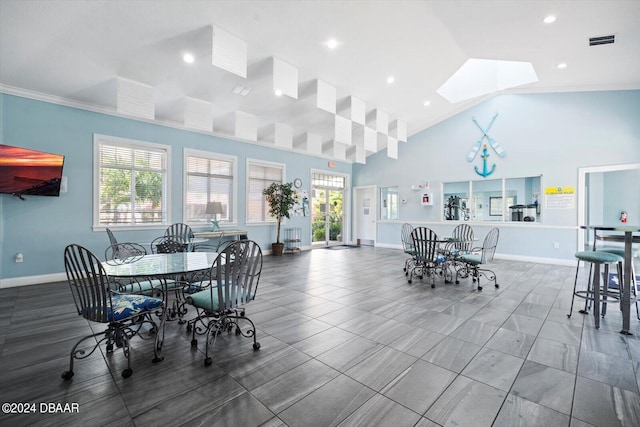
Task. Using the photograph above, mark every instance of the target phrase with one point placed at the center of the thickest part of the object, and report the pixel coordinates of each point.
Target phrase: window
(506, 199)
(210, 177)
(259, 176)
(130, 183)
(389, 208)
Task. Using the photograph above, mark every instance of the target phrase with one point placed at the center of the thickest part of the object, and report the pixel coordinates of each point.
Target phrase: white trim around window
(227, 195)
(255, 185)
(162, 154)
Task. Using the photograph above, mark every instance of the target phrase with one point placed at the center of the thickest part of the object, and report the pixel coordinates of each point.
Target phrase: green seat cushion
(598, 256)
(207, 299)
(473, 259)
(618, 251)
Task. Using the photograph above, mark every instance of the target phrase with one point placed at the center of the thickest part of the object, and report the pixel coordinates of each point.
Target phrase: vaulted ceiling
(109, 55)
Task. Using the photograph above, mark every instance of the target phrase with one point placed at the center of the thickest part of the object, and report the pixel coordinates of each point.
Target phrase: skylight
(479, 77)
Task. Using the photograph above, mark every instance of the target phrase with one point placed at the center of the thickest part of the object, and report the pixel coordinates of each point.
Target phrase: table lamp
(214, 208)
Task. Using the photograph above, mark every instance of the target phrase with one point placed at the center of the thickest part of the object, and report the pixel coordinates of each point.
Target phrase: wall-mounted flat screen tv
(29, 172)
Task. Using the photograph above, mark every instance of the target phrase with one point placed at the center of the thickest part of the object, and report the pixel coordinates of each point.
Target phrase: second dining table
(628, 231)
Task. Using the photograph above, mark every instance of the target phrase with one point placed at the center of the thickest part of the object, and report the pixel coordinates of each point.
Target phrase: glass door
(327, 210)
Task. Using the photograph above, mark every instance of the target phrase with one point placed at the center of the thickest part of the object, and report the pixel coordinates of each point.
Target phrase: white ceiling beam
(134, 99)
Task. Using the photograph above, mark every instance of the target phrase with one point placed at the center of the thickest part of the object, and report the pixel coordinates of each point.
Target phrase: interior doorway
(605, 192)
(327, 209)
(364, 215)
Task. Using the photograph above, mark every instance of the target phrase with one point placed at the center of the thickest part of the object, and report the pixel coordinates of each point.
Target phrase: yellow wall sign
(559, 190)
(559, 197)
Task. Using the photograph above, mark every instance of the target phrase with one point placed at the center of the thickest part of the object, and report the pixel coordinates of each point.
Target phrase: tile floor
(345, 341)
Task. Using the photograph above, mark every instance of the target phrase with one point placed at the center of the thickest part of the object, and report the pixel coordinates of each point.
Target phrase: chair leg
(573, 295)
(596, 292)
(216, 325)
(159, 340)
(81, 354)
(123, 338)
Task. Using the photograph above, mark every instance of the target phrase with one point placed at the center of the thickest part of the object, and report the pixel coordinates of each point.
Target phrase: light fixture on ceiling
(549, 19)
(391, 79)
(332, 43)
(561, 66)
(426, 103)
(188, 58)
(278, 92)
(241, 90)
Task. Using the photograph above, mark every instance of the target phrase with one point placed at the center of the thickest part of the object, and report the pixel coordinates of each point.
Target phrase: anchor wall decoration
(486, 171)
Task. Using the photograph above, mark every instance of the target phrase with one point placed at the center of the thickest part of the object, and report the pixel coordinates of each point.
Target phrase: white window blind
(209, 179)
(132, 184)
(260, 176)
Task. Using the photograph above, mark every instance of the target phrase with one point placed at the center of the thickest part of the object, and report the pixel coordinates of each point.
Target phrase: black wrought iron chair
(112, 237)
(209, 247)
(427, 260)
(461, 241)
(471, 264)
(168, 245)
(179, 232)
(124, 253)
(124, 315)
(129, 252)
(232, 284)
(407, 246)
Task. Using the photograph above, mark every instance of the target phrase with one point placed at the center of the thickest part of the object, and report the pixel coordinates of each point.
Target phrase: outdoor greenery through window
(260, 176)
(132, 182)
(209, 178)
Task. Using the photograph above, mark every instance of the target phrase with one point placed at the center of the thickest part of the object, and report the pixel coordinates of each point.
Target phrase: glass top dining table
(160, 265)
(629, 231)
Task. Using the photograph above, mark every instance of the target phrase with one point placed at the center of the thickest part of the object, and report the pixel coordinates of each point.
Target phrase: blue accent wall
(41, 227)
(542, 134)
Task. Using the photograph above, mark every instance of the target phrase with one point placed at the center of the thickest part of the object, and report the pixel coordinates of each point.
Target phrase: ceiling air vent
(595, 41)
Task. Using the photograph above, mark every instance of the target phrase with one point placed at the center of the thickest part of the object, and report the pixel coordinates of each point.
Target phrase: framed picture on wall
(495, 205)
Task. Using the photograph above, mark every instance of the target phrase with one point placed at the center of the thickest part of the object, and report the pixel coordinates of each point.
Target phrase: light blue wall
(41, 227)
(543, 134)
(623, 194)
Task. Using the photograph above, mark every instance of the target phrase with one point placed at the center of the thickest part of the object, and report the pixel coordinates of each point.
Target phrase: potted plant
(281, 198)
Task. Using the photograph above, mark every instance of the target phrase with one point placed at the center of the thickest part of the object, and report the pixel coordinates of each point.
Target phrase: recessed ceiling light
(278, 92)
(188, 58)
(549, 19)
(332, 43)
(391, 79)
(561, 66)
(427, 103)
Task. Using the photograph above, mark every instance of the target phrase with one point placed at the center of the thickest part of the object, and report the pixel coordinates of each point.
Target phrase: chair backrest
(208, 247)
(180, 232)
(425, 244)
(236, 271)
(112, 238)
(168, 245)
(124, 253)
(89, 283)
(405, 234)
(489, 245)
(463, 238)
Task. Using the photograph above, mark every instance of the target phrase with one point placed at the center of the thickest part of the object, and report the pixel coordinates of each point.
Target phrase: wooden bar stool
(593, 293)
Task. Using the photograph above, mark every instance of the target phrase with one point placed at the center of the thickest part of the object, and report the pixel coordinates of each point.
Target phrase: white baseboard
(32, 280)
(537, 260)
(59, 277)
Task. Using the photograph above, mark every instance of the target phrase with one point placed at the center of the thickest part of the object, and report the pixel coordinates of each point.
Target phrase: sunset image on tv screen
(24, 171)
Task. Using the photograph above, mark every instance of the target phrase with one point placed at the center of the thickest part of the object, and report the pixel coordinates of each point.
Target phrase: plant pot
(277, 249)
